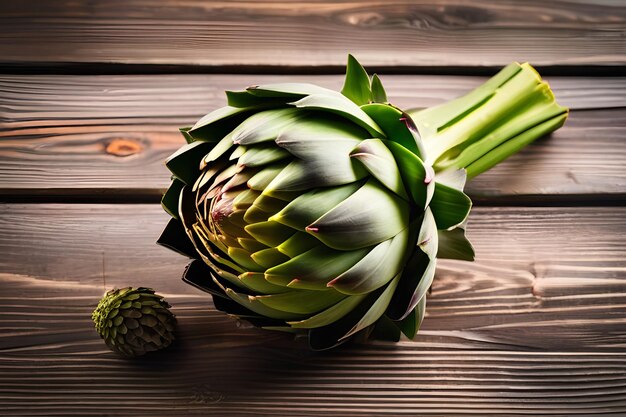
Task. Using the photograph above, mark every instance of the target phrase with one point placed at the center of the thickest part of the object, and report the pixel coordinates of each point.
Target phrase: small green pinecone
(133, 321)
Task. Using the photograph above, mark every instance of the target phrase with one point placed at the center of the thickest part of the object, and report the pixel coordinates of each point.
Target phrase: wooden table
(91, 95)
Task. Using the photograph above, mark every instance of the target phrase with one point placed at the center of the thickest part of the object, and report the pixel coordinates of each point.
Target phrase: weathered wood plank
(534, 326)
(109, 135)
(319, 33)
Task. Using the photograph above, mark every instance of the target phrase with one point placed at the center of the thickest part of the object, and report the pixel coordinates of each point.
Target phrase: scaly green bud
(134, 321)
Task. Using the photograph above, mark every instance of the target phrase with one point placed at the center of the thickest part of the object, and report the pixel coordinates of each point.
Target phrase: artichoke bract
(318, 212)
(134, 321)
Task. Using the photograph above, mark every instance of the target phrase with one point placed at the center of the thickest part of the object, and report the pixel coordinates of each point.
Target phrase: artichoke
(133, 321)
(323, 213)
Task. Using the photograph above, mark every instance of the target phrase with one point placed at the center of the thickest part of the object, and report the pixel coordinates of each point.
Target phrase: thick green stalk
(492, 122)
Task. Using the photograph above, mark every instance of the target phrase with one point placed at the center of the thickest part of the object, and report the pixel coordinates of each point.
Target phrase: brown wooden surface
(314, 33)
(109, 135)
(534, 326)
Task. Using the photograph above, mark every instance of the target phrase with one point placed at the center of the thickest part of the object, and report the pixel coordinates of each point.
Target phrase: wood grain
(394, 33)
(534, 327)
(98, 136)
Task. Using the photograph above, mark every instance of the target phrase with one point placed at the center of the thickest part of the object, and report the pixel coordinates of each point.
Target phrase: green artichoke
(133, 321)
(318, 212)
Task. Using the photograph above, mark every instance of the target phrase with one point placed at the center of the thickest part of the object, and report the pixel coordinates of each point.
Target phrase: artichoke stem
(492, 122)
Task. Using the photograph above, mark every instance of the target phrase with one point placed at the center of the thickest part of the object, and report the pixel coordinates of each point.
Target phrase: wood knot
(123, 147)
(202, 394)
(364, 19)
